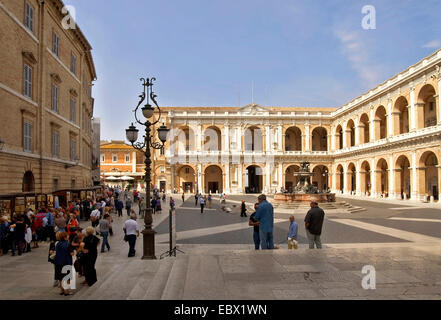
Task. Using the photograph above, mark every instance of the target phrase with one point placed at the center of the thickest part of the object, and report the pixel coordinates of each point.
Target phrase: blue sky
(208, 53)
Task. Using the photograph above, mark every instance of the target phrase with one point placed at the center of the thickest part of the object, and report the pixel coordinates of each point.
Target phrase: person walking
(131, 230)
(95, 217)
(142, 207)
(128, 205)
(243, 209)
(158, 205)
(19, 231)
(202, 203)
(153, 205)
(210, 200)
(293, 233)
(90, 250)
(255, 224)
(119, 207)
(265, 216)
(4, 231)
(313, 225)
(196, 197)
(104, 231)
(183, 197)
(172, 203)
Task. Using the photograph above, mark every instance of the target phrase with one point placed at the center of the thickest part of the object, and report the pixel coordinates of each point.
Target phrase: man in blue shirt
(265, 216)
(292, 234)
(50, 231)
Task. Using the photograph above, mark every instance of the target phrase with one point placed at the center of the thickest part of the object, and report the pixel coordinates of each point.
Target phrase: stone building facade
(385, 143)
(46, 103)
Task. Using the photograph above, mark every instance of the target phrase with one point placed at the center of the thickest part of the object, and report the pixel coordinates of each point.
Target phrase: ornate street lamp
(132, 136)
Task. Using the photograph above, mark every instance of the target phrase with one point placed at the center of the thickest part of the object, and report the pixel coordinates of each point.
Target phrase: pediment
(253, 109)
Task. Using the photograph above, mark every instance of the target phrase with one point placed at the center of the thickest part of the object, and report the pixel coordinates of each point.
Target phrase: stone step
(174, 289)
(88, 292)
(158, 283)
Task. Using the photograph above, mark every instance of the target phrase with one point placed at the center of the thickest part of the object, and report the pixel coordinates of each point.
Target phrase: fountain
(304, 191)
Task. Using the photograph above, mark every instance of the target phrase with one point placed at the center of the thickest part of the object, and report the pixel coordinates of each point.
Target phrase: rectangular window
(55, 144)
(73, 64)
(55, 184)
(161, 151)
(72, 184)
(114, 158)
(103, 158)
(27, 136)
(127, 158)
(72, 110)
(27, 81)
(54, 98)
(187, 170)
(162, 169)
(29, 17)
(55, 44)
(73, 149)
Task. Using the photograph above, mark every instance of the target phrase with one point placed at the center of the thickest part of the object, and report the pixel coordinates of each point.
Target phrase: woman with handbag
(90, 250)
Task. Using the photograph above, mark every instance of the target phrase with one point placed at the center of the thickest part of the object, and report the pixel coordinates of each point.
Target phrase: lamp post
(132, 136)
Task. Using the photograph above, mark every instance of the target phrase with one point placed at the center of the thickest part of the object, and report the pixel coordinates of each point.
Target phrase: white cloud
(434, 44)
(357, 53)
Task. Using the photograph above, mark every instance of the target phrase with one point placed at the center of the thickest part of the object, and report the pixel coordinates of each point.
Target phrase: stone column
(280, 177)
(412, 113)
(421, 183)
(358, 190)
(226, 140)
(267, 139)
(439, 183)
(240, 177)
(200, 178)
(414, 188)
(334, 180)
(438, 106)
(268, 177)
(374, 190)
(172, 181)
(398, 180)
(332, 145)
(279, 138)
(391, 178)
(357, 132)
(345, 182)
(371, 124)
(199, 138)
(307, 138)
(227, 178)
(389, 118)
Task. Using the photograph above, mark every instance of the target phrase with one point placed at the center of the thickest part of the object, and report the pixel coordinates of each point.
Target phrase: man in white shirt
(95, 217)
(131, 230)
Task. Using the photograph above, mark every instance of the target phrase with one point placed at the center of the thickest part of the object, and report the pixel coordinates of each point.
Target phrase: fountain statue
(304, 191)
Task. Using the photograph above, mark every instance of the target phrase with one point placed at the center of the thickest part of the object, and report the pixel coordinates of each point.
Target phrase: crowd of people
(70, 244)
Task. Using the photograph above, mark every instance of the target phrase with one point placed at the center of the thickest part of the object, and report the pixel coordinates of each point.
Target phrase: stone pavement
(404, 270)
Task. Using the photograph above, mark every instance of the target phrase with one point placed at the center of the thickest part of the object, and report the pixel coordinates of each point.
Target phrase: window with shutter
(29, 17)
(27, 81)
(27, 136)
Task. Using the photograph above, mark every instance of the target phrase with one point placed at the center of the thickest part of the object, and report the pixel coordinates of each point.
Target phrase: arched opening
(321, 178)
(319, 139)
(351, 178)
(380, 123)
(213, 180)
(365, 178)
(428, 175)
(364, 136)
(184, 139)
(28, 182)
(402, 177)
(426, 107)
(290, 180)
(253, 179)
(350, 130)
(253, 139)
(212, 139)
(338, 138)
(186, 179)
(382, 178)
(401, 116)
(340, 179)
(293, 139)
